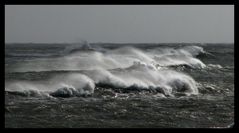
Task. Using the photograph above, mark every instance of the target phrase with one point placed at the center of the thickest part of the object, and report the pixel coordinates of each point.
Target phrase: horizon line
(117, 42)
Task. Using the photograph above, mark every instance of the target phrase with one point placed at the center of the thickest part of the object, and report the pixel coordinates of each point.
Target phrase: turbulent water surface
(119, 85)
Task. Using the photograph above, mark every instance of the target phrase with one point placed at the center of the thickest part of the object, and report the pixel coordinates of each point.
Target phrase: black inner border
(131, 2)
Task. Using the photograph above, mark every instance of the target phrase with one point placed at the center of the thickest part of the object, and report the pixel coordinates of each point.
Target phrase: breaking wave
(58, 86)
(124, 68)
(138, 77)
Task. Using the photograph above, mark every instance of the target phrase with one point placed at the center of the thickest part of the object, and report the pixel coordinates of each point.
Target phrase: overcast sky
(119, 23)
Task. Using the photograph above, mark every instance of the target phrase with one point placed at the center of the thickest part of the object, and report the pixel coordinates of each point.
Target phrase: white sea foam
(214, 66)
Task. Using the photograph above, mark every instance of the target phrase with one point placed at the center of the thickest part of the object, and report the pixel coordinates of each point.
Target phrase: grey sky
(119, 23)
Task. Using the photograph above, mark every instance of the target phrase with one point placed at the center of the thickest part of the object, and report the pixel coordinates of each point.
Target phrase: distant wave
(122, 57)
(74, 48)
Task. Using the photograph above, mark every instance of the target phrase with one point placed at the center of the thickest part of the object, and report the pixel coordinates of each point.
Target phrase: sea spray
(61, 85)
(117, 58)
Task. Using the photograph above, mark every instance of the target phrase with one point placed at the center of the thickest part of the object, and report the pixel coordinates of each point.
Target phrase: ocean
(104, 85)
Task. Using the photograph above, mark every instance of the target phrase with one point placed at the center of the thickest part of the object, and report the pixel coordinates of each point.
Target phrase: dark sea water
(119, 85)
